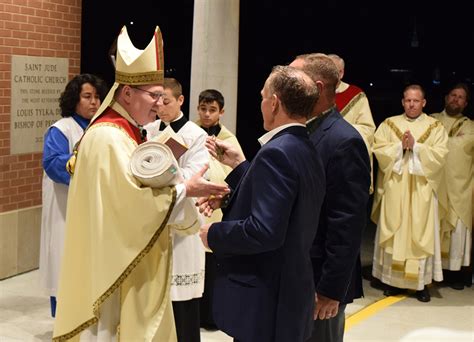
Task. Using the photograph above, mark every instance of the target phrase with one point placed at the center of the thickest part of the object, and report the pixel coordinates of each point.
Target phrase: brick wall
(47, 28)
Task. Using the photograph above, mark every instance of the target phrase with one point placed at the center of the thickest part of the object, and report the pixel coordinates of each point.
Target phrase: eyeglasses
(154, 96)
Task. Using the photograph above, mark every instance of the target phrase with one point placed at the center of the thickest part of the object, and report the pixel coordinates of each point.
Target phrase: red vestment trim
(111, 116)
(343, 99)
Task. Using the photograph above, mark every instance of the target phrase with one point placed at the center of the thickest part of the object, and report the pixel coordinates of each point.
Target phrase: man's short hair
(320, 67)
(295, 89)
(337, 59)
(211, 95)
(414, 87)
(174, 85)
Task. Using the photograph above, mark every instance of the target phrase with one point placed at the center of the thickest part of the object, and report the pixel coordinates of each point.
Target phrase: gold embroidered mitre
(134, 66)
(137, 67)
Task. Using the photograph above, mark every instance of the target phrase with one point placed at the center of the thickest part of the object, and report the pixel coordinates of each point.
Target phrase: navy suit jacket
(336, 249)
(264, 289)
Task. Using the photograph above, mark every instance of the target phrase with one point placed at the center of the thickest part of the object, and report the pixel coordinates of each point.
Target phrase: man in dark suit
(264, 289)
(336, 249)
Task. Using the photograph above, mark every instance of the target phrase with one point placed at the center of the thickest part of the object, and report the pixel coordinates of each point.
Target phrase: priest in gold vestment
(456, 227)
(353, 104)
(411, 150)
(115, 273)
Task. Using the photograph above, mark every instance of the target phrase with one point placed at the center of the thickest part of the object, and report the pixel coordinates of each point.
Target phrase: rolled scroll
(154, 165)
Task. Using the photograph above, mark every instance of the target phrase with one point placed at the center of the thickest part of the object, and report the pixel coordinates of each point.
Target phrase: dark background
(386, 45)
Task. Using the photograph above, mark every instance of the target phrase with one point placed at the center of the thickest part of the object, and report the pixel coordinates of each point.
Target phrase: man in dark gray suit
(336, 249)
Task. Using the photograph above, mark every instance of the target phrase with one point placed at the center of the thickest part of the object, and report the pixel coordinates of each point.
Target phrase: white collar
(269, 135)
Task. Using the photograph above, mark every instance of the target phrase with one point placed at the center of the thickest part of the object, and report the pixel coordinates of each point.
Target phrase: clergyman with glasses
(115, 272)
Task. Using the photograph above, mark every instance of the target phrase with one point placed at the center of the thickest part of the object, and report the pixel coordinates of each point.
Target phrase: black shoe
(423, 295)
(457, 285)
(377, 284)
(392, 291)
(367, 272)
(457, 279)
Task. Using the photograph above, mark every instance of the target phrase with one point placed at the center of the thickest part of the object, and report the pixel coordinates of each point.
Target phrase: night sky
(386, 46)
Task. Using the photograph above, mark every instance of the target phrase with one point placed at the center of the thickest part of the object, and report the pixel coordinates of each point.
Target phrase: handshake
(228, 155)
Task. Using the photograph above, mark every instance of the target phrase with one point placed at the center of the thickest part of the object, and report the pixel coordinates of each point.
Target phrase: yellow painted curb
(371, 310)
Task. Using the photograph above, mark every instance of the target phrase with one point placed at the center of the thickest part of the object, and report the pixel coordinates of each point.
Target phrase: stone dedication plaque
(36, 84)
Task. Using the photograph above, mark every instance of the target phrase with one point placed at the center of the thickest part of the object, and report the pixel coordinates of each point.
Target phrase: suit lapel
(296, 130)
(232, 195)
(321, 131)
